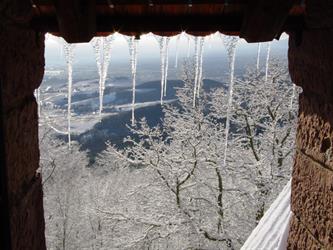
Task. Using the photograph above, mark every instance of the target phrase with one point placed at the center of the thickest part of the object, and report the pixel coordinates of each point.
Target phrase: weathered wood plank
(264, 19)
(76, 19)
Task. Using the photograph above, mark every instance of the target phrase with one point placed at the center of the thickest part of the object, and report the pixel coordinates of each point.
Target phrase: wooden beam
(76, 19)
(167, 25)
(157, 2)
(153, 23)
(264, 19)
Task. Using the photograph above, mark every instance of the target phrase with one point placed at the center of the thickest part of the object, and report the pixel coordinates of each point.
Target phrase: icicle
(198, 55)
(69, 55)
(164, 51)
(267, 60)
(160, 43)
(210, 42)
(102, 49)
(258, 56)
(188, 45)
(39, 102)
(166, 59)
(47, 37)
(196, 74)
(230, 43)
(177, 50)
(133, 51)
(201, 46)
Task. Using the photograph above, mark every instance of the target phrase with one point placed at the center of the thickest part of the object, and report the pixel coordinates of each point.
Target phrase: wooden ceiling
(80, 20)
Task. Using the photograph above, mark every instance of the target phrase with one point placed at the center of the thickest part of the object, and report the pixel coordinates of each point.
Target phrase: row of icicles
(102, 50)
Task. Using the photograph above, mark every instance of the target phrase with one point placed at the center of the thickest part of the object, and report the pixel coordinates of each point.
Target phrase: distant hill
(113, 128)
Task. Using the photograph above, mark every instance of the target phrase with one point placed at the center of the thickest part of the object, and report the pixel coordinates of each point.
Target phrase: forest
(200, 179)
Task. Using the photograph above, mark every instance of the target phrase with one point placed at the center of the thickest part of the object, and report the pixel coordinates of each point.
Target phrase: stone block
(21, 64)
(315, 131)
(21, 145)
(16, 11)
(310, 62)
(319, 14)
(299, 237)
(312, 198)
(26, 219)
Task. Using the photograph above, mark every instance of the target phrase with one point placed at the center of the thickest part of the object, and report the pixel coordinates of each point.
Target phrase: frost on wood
(102, 49)
(133, 51)
(163, 43)
(267, 60)
(199, 43)
(230, 44)
(272, 230)
(69, 56)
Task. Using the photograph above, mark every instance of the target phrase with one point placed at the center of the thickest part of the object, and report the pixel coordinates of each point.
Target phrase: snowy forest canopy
(199, 179)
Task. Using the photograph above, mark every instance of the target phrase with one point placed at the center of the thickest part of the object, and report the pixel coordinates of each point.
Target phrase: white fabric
(272, 230)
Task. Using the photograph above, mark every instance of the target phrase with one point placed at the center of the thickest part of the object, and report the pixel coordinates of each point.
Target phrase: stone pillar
(311, 67)
(21, 72)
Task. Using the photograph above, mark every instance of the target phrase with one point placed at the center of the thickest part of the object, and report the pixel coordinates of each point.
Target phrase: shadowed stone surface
(21, 72)
(312, 198)
(315, 131)
(27, 219)
(300, 238)
(21, 126)
(310, 65)
(22, 63)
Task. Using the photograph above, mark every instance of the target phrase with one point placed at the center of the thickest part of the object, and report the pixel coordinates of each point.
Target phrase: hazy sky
(149, 49)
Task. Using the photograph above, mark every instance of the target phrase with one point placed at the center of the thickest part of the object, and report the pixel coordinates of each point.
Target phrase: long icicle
(201, 49)
(267, 60)
(166, 63)
(38, 100)
(258, 56)
(188, 45)
(69, 56)
(230, 43)
(198, 56)
(196, 75)
(163, 44)
(177, 50)
(159, 40)
(133, 51)
(102, 49)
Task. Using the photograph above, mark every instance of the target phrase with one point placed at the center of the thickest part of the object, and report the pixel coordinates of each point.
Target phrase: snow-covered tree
(63, 172)
(169, 188)
(180, 171)
(264, 121)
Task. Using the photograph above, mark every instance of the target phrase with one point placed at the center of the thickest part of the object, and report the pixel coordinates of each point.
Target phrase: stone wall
(21, 72)
(311, 67)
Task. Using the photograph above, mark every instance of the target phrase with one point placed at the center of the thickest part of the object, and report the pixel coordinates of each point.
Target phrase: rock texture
(21, 72)
(311, 67)
(300, 238)
(312, 199)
